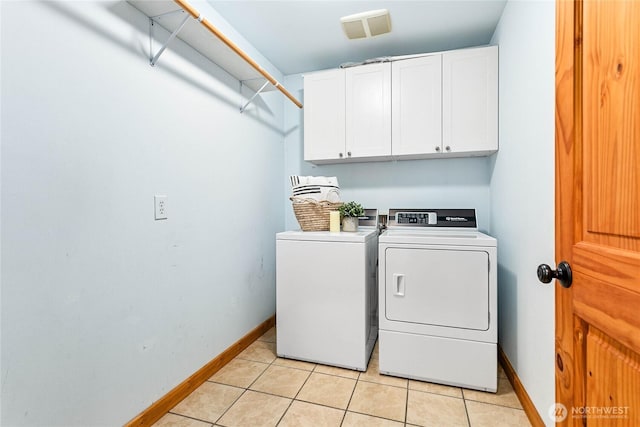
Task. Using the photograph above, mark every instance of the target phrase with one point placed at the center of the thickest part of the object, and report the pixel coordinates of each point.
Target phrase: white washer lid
(362, 235)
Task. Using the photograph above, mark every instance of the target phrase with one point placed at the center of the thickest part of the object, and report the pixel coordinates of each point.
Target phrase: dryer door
(440, 287)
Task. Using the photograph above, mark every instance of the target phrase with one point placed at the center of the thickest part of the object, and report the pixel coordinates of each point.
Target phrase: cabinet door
(368, 104)
(324, 120)
(416, 94)
(470, 100)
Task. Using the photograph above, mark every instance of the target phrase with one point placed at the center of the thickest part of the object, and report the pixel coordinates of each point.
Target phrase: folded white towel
(315, 187)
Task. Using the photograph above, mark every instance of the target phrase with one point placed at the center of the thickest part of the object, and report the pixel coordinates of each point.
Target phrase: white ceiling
(306, 35)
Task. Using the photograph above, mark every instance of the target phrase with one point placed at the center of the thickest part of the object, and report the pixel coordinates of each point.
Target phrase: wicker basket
(313, 215)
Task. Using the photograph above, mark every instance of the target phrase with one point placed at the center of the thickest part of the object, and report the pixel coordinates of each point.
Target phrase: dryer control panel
(456, 218)
(430, 218)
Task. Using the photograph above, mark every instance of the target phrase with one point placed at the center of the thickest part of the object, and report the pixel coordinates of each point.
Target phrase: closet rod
(216, 32)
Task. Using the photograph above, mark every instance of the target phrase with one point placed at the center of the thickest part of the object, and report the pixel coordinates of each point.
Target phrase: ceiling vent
(366, 24)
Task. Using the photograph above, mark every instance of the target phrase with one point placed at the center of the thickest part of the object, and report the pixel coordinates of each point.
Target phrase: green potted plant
(349, 212)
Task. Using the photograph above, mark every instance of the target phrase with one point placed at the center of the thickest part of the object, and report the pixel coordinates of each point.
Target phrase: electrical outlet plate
(161, 207)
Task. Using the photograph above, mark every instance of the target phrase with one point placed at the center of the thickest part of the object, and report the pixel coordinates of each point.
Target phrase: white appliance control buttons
(433, 218)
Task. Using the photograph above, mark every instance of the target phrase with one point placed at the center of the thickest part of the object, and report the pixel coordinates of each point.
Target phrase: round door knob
(340, 155)
(546, 274)
(349, 153)
(447, 148)
(437, 148)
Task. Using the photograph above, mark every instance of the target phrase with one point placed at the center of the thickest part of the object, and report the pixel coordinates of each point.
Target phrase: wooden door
(598, 212)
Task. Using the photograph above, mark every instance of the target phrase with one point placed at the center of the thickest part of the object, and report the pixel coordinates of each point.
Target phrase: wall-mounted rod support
(216, 32)
(173, 35)
(244, 107)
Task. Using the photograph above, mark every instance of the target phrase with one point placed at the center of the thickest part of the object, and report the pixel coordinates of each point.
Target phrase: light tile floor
(259, 389)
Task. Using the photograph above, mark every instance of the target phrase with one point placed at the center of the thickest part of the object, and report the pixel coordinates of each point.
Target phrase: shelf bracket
(153, 60)
(244, 107)
(149, 8)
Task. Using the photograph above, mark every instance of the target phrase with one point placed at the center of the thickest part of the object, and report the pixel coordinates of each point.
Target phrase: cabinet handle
(349, 153)
(438, 148)
(447, 148)
(340, 155)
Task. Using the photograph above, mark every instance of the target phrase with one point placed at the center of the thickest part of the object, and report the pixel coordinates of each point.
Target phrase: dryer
(438, 298)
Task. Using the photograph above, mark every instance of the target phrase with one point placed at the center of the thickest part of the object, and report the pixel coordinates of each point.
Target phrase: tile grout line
(376, 416)
(495, 404)
(466, 411)
(406, 405)
(230, 406)
(319, 404)
(303, 384)
(245, 389)
(270, 394)
(285, 412)
(270, 364)
(191, 418)
(351, 397)
(295, 398)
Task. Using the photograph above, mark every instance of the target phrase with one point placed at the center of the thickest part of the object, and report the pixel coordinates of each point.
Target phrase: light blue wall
(104, 310)
(522, 193)
(447, 183)
(98, 299)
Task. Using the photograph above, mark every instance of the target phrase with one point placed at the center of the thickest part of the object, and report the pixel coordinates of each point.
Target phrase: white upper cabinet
(368, 114)
(470, 101)
(417, 106)
(324, 115)
(347, 114)
(429, 106)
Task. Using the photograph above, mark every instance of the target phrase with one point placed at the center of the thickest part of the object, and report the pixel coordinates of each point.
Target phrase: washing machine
(327, 294)
(438, 298)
